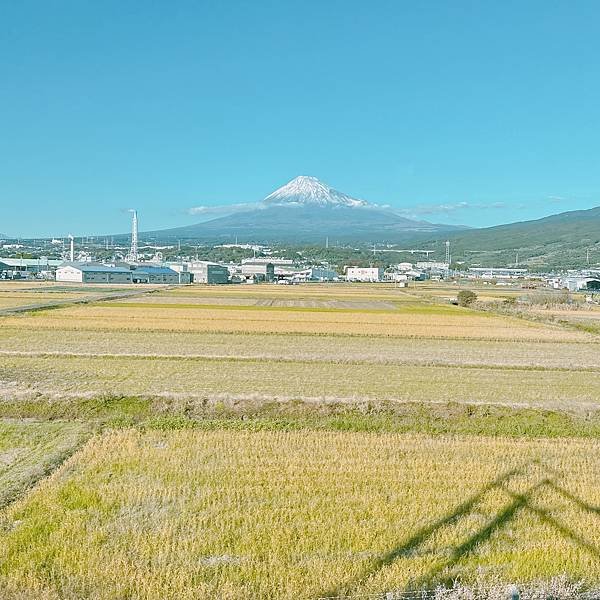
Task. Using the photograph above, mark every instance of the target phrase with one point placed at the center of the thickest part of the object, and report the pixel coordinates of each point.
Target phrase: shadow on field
(519, 501)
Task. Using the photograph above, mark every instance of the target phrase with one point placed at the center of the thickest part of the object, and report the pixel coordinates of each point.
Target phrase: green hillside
(561, 240)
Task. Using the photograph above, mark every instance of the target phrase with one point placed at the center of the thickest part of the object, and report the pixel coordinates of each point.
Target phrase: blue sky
(462, 112)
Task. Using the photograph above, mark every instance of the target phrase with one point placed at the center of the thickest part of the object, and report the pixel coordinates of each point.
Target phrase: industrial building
(158, 274)
(365, 274)
(16, 268)
(496, 273)
(93, 273)
(578, 283)
(204, 271)
(258, 271)
(98, 273)
(295, 275)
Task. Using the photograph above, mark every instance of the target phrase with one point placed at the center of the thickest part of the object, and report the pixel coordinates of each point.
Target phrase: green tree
(466, 297)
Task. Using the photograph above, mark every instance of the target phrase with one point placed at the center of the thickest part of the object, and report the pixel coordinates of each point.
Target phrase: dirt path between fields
(49, 304)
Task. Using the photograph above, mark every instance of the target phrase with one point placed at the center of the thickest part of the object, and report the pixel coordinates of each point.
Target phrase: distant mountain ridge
(306, 210)
(567, 239)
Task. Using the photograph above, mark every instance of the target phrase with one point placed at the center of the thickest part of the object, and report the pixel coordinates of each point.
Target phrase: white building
(371, 274)
(90, 273)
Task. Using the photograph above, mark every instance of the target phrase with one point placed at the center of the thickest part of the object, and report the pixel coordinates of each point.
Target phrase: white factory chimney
(133, 252)
(71, 249)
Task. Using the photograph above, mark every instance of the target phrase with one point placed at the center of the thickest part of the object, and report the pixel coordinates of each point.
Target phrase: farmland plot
(299, 515)
(369, 349)
(424, 321)
(237, 380)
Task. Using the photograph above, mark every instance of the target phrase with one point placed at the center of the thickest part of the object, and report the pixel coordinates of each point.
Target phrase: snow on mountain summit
(306, 190)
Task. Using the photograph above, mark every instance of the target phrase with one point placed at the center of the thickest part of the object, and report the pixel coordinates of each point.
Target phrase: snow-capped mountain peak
(306, 190)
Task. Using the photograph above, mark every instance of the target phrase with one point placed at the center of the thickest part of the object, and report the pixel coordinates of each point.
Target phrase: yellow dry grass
(332, 348)
(430, 322)
(277, 515)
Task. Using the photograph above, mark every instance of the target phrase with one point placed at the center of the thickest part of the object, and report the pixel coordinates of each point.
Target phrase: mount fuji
(304, 210)
(309, 191)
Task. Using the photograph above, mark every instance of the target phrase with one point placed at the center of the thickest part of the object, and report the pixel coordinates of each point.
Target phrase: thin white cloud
(223, 209)
(448, 208)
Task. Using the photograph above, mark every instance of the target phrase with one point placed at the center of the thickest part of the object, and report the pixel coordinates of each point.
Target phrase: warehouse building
(93, 273)
(158, 274)
(15, 268)
(576, 284)
(295, 275)
(258, 271)
(205, 271)
(97, 273)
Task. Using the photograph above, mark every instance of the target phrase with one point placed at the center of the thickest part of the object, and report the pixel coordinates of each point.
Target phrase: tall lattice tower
(448, 252)
(133, 252)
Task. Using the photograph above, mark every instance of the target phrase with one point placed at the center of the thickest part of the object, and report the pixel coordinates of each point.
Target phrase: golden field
(282, 343)
(416, 321)
(291, 442)
(301, 515)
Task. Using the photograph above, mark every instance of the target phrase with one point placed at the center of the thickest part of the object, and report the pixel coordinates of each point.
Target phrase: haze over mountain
(306, 210)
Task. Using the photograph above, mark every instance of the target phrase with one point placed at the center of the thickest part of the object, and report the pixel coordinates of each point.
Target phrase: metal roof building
(93, 273)
(32, 265)
(158, 274)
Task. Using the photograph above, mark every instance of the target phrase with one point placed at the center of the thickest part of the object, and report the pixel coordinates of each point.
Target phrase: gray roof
(94, 268)
(30, 262)
(154, 270)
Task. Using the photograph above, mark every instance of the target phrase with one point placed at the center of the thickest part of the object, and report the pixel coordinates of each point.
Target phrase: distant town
(102, 260)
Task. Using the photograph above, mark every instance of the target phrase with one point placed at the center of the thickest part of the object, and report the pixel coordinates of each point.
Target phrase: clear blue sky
(477, 112)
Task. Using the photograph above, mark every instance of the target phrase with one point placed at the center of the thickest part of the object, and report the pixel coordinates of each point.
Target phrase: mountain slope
(306, 210)
(558, 240)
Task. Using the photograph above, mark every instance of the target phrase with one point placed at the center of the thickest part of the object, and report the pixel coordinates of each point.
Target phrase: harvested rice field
(291, 442)
(414, 321)
(366, 349)
(54, 376)
(301, 515)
